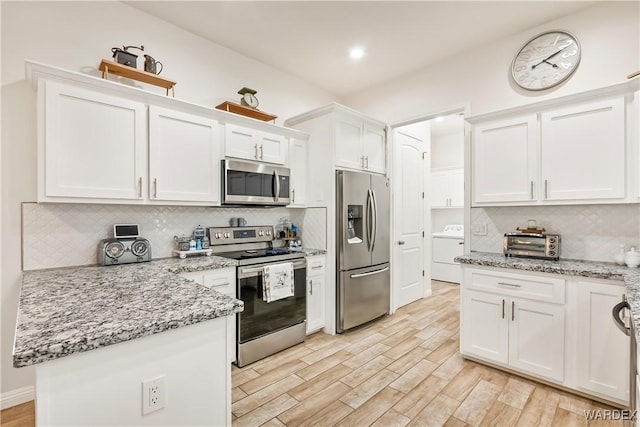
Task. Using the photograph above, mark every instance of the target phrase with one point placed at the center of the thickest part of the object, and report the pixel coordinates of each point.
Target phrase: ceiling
(311, 39)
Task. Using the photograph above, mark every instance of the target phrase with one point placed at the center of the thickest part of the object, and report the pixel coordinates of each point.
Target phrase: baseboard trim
(17, 396)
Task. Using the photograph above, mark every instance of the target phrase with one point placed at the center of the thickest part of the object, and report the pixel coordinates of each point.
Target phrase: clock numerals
(566, 65)
(566, 44)
(569, 54)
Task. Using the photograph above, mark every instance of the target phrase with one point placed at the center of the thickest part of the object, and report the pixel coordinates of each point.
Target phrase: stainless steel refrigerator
(362, 248)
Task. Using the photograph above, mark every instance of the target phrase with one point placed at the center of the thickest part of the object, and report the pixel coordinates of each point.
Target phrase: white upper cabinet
(573, 154)
(504, 154)
(92, 145)
(583, 151)
(184, 157)
(298, 166)
(447, 188)
(360, 145)
(251, 144)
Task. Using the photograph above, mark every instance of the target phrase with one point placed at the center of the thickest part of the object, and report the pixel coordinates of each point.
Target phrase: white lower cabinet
(522, 334)
(549, 326)
(224, 281)
(602, 365)
(315, 293)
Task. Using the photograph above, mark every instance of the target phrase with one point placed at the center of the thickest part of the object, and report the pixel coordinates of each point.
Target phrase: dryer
(446, 245)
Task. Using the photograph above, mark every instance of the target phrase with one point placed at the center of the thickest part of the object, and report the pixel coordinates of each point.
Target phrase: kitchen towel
(277, 282)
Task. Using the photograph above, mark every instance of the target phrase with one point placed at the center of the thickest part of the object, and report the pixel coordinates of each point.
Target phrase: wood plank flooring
(404, 370)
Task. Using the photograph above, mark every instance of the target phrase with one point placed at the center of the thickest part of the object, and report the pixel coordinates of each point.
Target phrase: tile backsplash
(61, 235)
(589, 232)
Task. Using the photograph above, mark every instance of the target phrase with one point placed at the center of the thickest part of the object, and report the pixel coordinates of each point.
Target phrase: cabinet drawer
(521, 285)
(222, 280)
(315, 266)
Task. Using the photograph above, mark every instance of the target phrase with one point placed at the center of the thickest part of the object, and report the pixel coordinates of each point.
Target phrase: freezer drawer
(363, 295)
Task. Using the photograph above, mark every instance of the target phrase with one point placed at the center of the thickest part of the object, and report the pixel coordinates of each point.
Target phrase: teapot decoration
(150, 65)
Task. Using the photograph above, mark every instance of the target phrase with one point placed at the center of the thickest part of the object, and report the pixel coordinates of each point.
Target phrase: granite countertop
(70, 310)
(593, 269)
(313, 252)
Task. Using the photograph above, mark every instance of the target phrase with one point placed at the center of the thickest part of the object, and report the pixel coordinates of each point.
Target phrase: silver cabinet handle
(155, 187)
(310, 286)
(293, 195)
(367, 159)
(400, 242)
(140, 187)
(546, 189)
(513, 311)
(371, 273)
(261, 152)
(512, 285)
(503, 309)
(461, 243)
(531, 190)
(316, 267)
(255, 148)
(362, 161)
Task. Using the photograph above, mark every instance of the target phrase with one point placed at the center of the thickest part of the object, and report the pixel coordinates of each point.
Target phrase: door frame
(465, 109)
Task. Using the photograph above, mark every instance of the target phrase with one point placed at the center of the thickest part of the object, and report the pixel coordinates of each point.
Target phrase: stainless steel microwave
(529, 245)
(246, 183)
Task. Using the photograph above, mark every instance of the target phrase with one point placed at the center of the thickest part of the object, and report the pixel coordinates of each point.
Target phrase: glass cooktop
(262, 255)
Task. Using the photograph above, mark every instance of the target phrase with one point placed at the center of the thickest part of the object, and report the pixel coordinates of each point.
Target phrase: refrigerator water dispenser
(354, 224)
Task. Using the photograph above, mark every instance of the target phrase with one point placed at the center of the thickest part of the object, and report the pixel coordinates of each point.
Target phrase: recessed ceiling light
(356, 53)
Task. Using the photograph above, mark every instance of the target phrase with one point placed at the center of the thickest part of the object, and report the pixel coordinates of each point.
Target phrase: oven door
(260, 318)
(255, 184)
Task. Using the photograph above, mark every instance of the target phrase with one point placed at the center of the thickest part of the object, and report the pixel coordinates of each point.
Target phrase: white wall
(447, 151)
(608, 33)
(76, 36)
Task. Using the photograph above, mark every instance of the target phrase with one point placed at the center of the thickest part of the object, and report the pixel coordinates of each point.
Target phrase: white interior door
(410, 164)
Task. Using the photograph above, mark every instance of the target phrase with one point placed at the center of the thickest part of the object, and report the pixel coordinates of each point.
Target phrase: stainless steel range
(263, 328)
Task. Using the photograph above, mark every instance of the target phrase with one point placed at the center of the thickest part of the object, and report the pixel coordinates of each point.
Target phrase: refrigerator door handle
(368, 218)
(370, 273)
(374, 227)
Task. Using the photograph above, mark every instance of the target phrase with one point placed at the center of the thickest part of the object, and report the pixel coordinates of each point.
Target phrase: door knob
(400, 242)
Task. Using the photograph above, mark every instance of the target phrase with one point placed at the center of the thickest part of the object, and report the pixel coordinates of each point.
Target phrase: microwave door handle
(277, 185)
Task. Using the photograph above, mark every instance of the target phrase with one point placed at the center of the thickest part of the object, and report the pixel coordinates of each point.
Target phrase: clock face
(250, 99)
(546, 60)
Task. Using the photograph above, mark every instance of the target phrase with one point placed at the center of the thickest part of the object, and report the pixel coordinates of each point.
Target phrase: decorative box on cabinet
(184, 157)
(224, 281)
(252, 144)
(90, 145)
(447, 188)
(315, 293)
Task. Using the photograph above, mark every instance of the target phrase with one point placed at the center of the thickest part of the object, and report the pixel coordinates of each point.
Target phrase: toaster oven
(529, 245)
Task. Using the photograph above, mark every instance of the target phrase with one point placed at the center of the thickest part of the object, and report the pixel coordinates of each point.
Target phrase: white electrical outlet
(479, 229)
(153, 394)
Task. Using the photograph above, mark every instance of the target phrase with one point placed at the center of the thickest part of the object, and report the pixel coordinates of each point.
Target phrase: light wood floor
(402, 370)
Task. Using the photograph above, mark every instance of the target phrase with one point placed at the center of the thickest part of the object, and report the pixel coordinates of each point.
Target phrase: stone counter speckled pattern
(71, 310)
(313, 252)
(597, 270)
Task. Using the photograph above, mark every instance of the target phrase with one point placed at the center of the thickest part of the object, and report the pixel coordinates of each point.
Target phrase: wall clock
(546, 60)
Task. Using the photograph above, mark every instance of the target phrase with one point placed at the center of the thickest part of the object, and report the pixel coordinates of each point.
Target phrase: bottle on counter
(205, 242)
(192, 244)
(619, 257)
(198, 244)
(632, 258)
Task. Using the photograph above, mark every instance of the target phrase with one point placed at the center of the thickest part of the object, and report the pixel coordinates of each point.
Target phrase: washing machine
(447, 244)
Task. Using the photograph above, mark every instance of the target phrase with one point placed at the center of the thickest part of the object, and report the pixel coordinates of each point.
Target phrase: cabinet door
(224, 281)
(94, 145)
(241, 142)
(485, 328)
(348, 142)
(536, 338)
(583, 151)
(315, 303)
(456, 188)
(298, 166)
(375, 149)
(603, 362)
(272, 148)
(184, 159)
(504, 160)
(440, 189)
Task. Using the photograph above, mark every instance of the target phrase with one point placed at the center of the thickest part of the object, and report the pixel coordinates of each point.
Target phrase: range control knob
(217, 235)
(268, 232)
(552, 239)
(227, 235)
(260, 233)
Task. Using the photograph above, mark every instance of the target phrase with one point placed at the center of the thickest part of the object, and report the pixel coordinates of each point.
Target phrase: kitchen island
(103, 331)
(550, 320)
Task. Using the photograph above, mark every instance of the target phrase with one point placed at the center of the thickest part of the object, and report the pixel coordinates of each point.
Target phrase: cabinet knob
(401, 242)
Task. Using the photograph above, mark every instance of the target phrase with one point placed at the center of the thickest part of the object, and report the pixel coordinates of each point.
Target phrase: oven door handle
(256, 271)
(617, 309)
